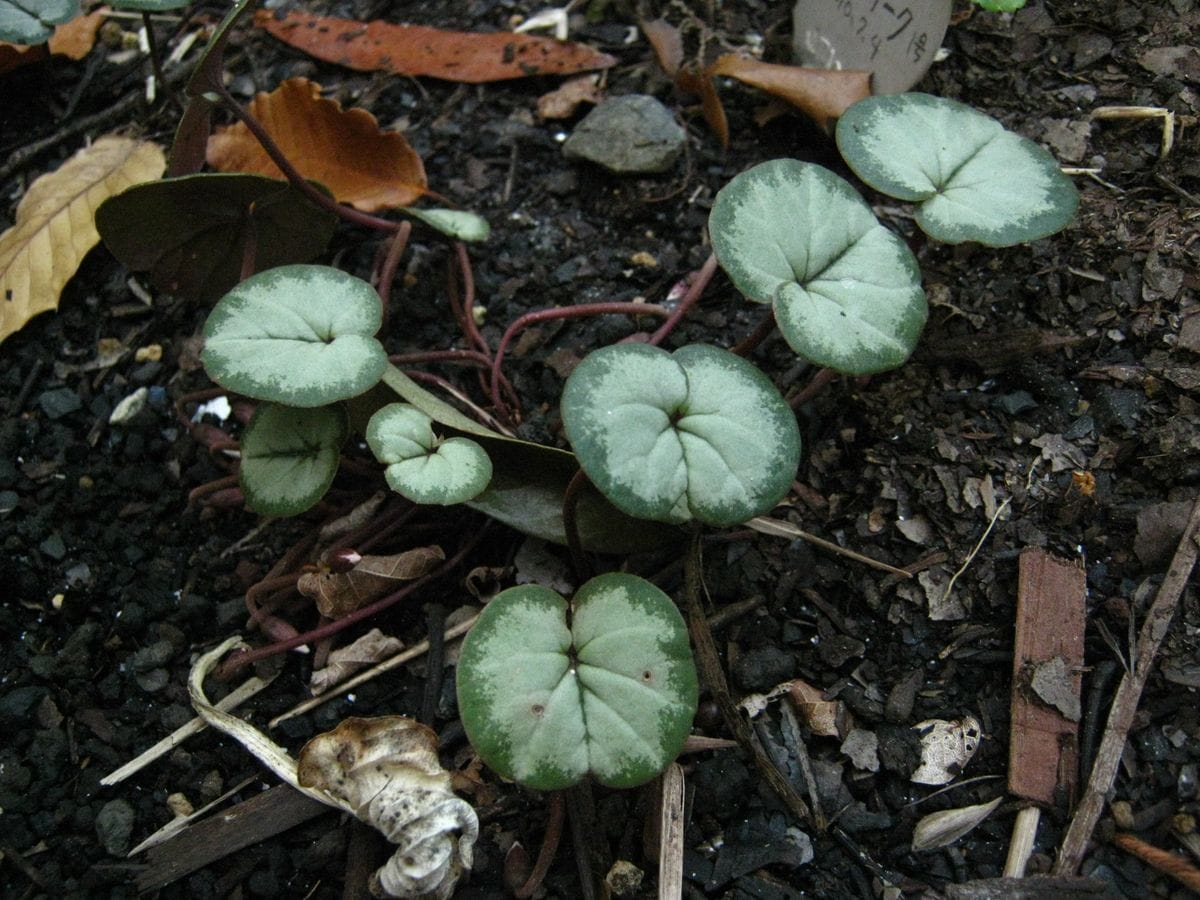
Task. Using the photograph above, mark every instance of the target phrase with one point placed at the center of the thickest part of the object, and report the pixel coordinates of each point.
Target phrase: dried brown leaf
(821, 94)
(55, 223)
(416, 50)
(819, 714)
(372, 647)
(345, 150)
(337, 594)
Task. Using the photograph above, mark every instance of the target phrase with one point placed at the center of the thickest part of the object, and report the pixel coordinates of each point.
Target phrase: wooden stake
(670, 846)
(1043, 755)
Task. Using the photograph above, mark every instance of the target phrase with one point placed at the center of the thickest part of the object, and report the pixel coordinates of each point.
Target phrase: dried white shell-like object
(386, 771)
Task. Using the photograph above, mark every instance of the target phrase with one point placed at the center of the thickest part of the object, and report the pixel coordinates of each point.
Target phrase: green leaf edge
(473, 697)
(225, 368)
(1061, 192)
(260, 502)
(397, 472)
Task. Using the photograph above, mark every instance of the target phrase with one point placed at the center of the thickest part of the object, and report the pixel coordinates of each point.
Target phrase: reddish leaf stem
(621, 308)
(466, 307)
(298, 181)
(695, 289)
(556, 814)
(761, 331)
(209, 488)
(821, 380)
(391, 262)
(239, 661)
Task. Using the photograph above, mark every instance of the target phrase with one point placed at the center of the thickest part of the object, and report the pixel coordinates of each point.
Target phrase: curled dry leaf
(55, 223)
(821, 94)
(343, 149)
(385, 770)
(827, 718)
(337, 594)
(417, 50)
(562, 102)
(946, 748)
(369, 649)
(941, 828)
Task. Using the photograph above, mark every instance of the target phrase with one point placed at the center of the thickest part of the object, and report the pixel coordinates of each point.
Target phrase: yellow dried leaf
(55, 223)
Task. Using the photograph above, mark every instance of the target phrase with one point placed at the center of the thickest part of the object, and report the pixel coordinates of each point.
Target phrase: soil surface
(1051, 404)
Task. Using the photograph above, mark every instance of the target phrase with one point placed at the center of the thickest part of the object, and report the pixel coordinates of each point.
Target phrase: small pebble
(1122, 814)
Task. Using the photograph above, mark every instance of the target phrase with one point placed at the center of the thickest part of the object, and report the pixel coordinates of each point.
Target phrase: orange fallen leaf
(55, 223)
(821, 94)
(417, 50)
(73, 40)
(76, 38)
(344, 150)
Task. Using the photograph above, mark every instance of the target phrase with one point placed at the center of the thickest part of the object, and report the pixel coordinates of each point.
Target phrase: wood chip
(1051, 597)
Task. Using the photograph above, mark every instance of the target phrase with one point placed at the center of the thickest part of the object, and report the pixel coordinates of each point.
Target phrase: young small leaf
(612, 695)
(422, 467)
(698, 434)
(289, 457)
(454, 223)
(299, 335)
(974, 180)
(846, 291)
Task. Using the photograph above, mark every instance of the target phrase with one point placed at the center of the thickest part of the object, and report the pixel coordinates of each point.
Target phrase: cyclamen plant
(552, 689)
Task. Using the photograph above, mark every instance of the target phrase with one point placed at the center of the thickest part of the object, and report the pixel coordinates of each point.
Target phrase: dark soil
(1042, 366)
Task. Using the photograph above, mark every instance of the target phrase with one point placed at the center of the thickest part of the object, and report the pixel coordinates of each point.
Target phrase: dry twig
(1125, 702)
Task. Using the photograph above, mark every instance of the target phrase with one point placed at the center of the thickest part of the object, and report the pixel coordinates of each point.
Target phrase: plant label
(894, 39)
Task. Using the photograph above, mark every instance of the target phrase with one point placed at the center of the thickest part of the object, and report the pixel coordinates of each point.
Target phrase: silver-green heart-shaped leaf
(32, 21)
(612, 694)
(422, 467)
(698, 434)
(846, 291)
(454, 223)
(300, 335)
(974, 180)
(289, 457)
